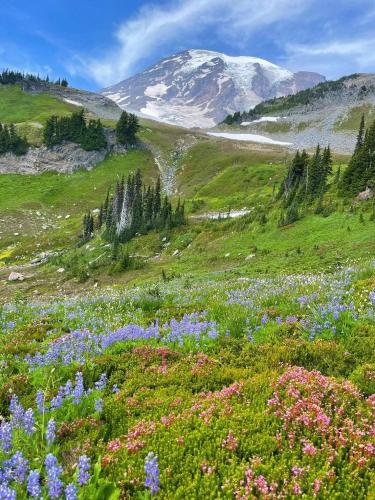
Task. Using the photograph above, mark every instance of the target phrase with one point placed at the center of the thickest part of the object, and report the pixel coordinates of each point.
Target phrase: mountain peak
(200, 87)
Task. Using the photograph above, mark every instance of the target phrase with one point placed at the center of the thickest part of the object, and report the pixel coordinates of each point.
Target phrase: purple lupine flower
(20, 466)
(99, 405)
(79, 389)
(51, 431)
(264, 319)
(7, 493)
(151, 468)
(102, 382)
(14, 403)
(372, 297)
(57, 401)
(28, 421)
(17, 411)
(68, 388)
(53, 469)
(71, 492)
(115, 389)
(83, 470)
(6, 436)
(33, 484)
(40, 401)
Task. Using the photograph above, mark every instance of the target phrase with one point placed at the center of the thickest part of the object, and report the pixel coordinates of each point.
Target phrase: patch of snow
(157, 90)
(231, 214)
(70, 101)
(178, 114)
(262, 119)
(249, 137)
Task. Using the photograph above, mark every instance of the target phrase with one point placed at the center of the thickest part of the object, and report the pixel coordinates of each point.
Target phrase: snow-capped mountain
(198, 88)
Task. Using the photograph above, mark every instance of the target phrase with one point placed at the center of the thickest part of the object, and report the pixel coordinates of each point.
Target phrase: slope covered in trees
(360, 173)
(304, 97)
(11, 141)
(10, 77)
(133, 208)
(74, 128)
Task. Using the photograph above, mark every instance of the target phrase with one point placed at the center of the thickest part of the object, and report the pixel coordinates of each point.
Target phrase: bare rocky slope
(326, 114)
(198, 88)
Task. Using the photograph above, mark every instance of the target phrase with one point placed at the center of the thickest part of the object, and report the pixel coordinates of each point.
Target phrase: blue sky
(97, 43)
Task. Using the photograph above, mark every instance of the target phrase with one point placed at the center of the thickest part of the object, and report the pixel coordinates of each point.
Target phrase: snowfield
(249, 137)
(262, 120)
(70, 101)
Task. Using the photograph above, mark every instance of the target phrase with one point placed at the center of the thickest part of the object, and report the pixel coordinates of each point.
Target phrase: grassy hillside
(227, 358)
(29, 111)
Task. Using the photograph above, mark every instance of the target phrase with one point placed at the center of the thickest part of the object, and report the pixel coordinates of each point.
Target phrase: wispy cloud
(336, 57)
(154, 28)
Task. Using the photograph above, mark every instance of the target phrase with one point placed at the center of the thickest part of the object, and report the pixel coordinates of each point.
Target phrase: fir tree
(122, 128)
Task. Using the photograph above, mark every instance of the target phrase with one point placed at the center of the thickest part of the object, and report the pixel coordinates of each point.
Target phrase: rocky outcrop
(64, 158)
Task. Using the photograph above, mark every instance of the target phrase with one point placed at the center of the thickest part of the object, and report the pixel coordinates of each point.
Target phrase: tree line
(89, 135)
(74, 129)
(360, 172)
(306, 181)
(11, 141)
(301, 98)
(10, 77)
(133, 209)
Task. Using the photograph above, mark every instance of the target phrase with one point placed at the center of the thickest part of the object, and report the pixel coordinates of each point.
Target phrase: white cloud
(336, 57)
(154, 28)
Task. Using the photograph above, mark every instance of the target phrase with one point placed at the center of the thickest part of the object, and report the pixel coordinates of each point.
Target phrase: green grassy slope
(213, 175)
(29, 111)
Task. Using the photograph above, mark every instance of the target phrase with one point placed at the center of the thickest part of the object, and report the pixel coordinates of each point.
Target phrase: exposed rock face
(200, 87)
(63, 158)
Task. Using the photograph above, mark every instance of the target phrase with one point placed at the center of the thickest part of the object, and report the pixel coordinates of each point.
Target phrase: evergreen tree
(93, 137)
(133, 128)
(122, 128)
(11, 142)
(127, 128)
(360, 172)
(361, 134)
(157, 200)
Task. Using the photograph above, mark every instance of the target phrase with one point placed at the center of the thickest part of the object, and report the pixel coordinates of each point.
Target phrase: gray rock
(63, 158)
(365, 195)
(16, 276)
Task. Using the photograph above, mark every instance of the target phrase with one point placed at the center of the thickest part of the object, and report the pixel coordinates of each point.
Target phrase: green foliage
(11, 142)
(127, 128)
(10, 77)
(135, 209)
(360, 172)
(74, 129)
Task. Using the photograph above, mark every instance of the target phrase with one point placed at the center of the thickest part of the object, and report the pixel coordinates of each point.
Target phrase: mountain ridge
(198, 87)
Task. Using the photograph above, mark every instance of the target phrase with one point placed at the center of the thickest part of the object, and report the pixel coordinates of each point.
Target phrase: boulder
(16, 276)
(365, 195)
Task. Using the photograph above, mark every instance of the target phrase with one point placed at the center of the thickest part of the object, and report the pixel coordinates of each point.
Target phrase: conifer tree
(122, 128)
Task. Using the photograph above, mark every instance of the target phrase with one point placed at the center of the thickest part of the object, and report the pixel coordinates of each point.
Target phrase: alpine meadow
(187, 250)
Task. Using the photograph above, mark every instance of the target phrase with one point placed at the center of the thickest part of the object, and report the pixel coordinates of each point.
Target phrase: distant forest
(9, 77)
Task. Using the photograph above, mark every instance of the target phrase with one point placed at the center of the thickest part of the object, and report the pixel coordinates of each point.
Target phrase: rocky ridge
(198, 88)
